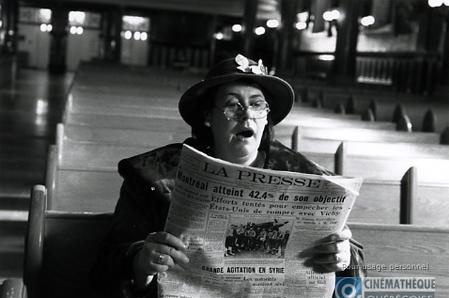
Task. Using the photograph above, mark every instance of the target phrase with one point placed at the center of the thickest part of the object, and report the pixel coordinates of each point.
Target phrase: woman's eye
(232, 105)
(258, 104)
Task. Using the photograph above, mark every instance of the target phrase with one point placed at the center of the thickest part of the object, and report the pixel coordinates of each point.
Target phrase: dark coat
(143, 205)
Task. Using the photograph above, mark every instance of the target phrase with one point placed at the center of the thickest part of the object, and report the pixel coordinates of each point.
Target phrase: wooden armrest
(34, 241)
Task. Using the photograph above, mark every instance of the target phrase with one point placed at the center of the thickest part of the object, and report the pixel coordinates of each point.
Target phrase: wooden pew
(171, 125)
(95, 156)
(365, 135)
(124, 137)
(325, 149)
(430, 204)
(72, 171)
(153, 106)
(383, 166)
(85, 191)
(383, 104)
(159, 110)
(335, 122)
(157, 96)
(52, 270)
(90, 142)
(61, 248)
(82, 174)
(139, 123)
(94, 186)
(82, 177)
(395, 245)
(414, 108)
(430, 200)
(134, 137)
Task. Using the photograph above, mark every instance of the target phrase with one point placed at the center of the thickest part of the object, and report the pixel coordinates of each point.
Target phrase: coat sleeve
(141, 209)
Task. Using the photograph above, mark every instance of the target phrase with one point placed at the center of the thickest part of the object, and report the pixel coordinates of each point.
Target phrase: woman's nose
(244, 114)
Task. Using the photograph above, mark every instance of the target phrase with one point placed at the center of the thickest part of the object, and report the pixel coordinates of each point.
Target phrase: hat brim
(279, 95)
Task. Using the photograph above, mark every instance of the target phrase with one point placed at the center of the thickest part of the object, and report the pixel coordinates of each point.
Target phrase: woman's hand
(160, 252)
(329, 254)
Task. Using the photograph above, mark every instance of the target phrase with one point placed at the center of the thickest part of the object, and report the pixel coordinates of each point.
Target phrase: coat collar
(162, 162)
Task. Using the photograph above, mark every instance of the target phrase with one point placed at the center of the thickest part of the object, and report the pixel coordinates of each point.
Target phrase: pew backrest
(61, 248)
(366, 135)
(128, 137)
(421, 251)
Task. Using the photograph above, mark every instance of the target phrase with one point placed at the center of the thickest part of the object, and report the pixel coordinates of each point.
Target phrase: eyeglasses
(235, 111)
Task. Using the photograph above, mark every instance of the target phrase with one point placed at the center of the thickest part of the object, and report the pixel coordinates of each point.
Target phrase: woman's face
(237, 139)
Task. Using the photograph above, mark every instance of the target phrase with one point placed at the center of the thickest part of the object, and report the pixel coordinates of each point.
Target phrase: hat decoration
(244, 66)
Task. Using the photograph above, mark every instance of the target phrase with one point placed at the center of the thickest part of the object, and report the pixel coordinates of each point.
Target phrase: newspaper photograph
(244, 228)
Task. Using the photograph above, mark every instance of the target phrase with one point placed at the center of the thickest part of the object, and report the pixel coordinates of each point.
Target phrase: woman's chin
(244, 149)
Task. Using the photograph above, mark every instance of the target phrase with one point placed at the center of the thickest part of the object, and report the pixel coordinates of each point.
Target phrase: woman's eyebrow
(233, 94)
(257, 96)
(239, 95)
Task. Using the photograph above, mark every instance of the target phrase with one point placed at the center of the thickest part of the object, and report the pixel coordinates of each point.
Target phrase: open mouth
(246, 133)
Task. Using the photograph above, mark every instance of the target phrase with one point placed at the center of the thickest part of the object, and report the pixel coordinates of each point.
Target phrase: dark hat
(279, 94)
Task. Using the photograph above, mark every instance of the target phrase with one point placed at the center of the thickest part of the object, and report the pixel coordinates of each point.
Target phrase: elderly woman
(232, 113)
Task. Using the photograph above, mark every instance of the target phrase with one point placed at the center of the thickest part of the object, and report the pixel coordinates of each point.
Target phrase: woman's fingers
(329, 254)
(325, 248)
(163, 251)
(158, 258)
(169, 253)
(167, 239)
(343, 235)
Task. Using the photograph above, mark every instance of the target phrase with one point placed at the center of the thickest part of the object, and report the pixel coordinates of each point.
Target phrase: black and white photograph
(257, 238)
(98, 99)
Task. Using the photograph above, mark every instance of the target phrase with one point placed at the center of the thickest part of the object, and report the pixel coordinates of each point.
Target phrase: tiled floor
(30, 108)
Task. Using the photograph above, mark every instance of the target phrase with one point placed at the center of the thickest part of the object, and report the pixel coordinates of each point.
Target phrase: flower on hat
(244, 66)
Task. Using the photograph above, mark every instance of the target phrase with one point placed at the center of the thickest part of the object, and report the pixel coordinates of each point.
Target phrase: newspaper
(245, 226)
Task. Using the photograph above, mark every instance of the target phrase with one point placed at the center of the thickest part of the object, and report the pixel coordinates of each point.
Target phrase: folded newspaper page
(245, 226)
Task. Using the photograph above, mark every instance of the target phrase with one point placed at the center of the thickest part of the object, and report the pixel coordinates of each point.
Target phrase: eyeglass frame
(242, 109)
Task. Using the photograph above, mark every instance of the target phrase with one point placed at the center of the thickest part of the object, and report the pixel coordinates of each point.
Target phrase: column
(249, 23)
(346, 48)
(285, 51)
(112, 27)
(58, 43)
(11, 11)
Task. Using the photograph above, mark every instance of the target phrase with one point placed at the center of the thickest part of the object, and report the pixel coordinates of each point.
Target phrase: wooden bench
(82, 175)
(62, 247)
(432, 185)
(158, 109)
(80, 186)
(334, 121)
(383, 167)
(415, 109)
(156, 96)
(100, 103)
(383, 104)
(129, 137)
(406, 245)
(164, 124)
(139, 123)
(75, 185)
(72, 171)
(365, 135)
